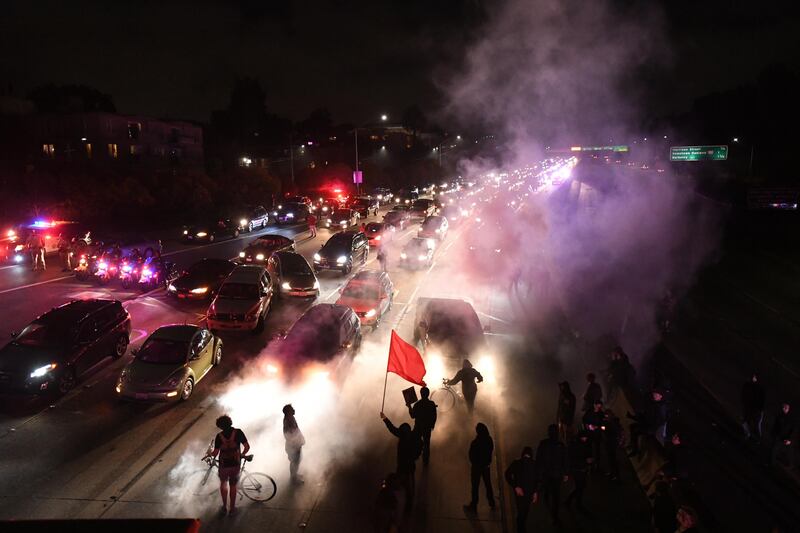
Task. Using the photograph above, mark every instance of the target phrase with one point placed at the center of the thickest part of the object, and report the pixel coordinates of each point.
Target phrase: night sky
(359, 59)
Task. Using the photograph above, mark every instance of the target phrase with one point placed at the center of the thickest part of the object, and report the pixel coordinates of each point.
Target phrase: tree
(317, 126)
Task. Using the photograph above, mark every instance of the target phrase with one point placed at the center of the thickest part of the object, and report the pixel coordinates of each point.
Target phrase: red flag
(405, 360)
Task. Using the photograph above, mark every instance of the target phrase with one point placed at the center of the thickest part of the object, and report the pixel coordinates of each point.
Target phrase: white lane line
(10, 266)
(28, 286)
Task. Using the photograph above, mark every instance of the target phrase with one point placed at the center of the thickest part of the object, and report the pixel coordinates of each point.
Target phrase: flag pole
(386, 375)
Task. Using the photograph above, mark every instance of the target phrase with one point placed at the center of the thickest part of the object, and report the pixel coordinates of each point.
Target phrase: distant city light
(736, 139)
(310, 143)
(384, 118)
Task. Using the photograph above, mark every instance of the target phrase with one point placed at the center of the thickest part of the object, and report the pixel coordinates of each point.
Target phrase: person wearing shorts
(230, 445)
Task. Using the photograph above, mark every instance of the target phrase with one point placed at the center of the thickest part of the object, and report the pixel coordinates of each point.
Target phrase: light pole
(384, 118)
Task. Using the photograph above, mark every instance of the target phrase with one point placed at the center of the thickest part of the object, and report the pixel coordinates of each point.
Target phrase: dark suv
(342, 251)
(324, 332)
(61, 346)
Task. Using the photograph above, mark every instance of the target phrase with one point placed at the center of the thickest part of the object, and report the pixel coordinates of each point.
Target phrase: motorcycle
(107, 269)
(129, 271)
(156, 272)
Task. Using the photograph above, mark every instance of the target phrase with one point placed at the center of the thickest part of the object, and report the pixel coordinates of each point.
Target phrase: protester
(424, 414)
(612, 439)
(783, 436)
(579, 453)
(480, 458)
(565, 416)
(230, 444)
(649, 422)
(311, 220)
(593, 422)
(753, 398)
(382, 259)
(386, 505)
(409, 448)
(593, 394)
(551, 465)
(620, 374)
(521, 475)
(467, 376)
(294, 442)
(64, 253)
(664, 512)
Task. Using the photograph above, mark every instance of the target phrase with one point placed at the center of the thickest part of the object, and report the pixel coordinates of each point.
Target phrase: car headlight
(241, 254)
(201, 234)
(370, 313)
(172, 288)
(377, 237)
(186, 232)
(280, 206)
(408, 202)
(330, 221)
(147, 272)
(102, 265)
(243, 222)
(316, 284)
(324, 209)
(259, 257)
(274, 213)
(18, 258)
(19, 248)
(285, 286)
(341, 260)
(317, 257)
(403, 255)
(289, 215)
(43, 370)
(199, 290)
(422, 257)
(343, 222)
(127, 268)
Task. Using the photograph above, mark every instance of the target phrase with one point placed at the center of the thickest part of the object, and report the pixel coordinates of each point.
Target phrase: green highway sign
(718, 152)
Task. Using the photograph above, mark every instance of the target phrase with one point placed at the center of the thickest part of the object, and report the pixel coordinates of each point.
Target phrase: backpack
(229, 451)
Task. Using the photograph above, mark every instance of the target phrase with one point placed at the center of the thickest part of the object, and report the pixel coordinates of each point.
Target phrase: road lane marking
(28, 286)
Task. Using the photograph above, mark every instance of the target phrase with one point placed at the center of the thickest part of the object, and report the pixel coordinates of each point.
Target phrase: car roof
(245, 273)
(76, 310)
(176, 332)
(329, 310)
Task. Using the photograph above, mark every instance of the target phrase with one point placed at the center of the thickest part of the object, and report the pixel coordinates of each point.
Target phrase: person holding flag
(406, 362)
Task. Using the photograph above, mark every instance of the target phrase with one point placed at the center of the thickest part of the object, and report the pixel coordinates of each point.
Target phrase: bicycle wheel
(258, 487)
(201, 483)
(444, 398)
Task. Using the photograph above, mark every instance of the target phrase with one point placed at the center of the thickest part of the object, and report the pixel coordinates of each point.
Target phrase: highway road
(87, 455)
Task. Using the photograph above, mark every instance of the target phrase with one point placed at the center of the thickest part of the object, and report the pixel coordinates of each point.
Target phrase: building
(109, 138)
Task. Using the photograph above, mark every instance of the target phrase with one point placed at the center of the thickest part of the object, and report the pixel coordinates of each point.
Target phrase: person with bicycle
(424, 414)
(467, 376)
(230, 445)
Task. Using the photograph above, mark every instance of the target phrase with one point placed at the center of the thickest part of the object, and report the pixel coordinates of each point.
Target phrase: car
(433, 227)
(243, 301)
(324, 207)
(342, 251)
(421, 208)
(211, 230)
(370, 294)
(364, 206)
(14, 240)
(292, 275)
(342, 218)
(260, 249)
(257, 218)
(323, 333)
(383, 195)
(417, 252)
(451, 325)
(396, 219)
(60, 347)
(291, 213)
(454, 214)
(304, 200)
(170, 364)
(379, 233)
(201, 280)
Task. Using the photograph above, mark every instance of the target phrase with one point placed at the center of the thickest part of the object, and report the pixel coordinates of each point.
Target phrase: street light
(384, 118)
(458, 137)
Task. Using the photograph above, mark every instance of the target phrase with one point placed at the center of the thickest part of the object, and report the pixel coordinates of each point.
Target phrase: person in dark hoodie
(408, 449)
(480, 458)
(753, 399)
(580, 462)
(521, 475)
(467, 376)
(551, 465)
(565, 416)
(593, 394)
(783, 430)
(424, 414)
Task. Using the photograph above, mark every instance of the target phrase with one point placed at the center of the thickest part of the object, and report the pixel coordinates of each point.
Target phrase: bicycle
(257, 486)
(445, 397)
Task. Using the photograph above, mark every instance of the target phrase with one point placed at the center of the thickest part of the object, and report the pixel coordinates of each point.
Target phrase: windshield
(418, 245)
(43, 334)
(313, 336)
(163, 352)
(341, 213)
(294, 264)
(431, 223)
(239, 291)
(360, 291)
(340, 241)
